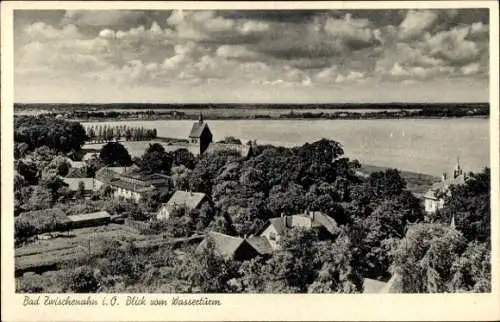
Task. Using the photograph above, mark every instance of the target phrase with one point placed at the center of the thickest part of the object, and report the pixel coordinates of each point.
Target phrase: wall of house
(272, 236)
(163, 214)
(431, 205)
(127, 194)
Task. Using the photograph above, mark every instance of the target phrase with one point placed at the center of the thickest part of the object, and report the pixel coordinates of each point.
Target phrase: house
(236, 248)
(89, 156)
(200, 141)
(121, 170)
(189, 200)
(200, 135)
(434, 197)
(278, 227)
(89, 220)
(89, 184)
(131, 185)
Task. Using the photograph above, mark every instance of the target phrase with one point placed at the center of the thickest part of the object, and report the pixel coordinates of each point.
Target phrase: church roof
(197, 129)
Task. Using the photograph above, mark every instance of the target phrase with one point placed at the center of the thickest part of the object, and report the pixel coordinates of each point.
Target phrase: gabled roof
(105, 175)
(90, 216)
(325, 221)
(225, 245)
(197, 129)
(311, 220)
(260, 244)
(191, 200)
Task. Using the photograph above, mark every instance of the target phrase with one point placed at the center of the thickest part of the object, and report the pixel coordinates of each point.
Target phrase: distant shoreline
(138, 112)
(103, 120)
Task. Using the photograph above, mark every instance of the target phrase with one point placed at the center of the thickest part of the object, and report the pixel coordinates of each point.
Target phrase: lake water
(422, 145)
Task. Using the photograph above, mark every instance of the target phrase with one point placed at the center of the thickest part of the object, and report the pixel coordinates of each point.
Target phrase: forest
(383, 230)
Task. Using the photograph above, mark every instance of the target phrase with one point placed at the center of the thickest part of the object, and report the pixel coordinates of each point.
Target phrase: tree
(425, 257)
(337, 273)
(472, 271)
(115, 154)
(60, 135)
(469, 204)
(182, 157)
(41, 198)
(210, 272)
(83, 280)
(155, 159)
(230, 140)
(180, 177)
(80, 193)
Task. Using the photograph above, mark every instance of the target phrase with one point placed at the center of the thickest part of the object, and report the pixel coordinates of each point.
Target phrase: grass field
(418, 183)
(71, 246)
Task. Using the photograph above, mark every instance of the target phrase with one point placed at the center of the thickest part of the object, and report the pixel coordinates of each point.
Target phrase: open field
(418, 183)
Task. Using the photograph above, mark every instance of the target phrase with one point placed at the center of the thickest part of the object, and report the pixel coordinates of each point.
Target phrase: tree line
(106, 133)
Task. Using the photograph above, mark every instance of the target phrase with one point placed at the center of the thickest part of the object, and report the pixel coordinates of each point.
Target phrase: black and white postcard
(243, 161)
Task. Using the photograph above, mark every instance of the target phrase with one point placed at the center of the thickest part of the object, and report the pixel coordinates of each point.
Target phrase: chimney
(245, 236)
(443, 176)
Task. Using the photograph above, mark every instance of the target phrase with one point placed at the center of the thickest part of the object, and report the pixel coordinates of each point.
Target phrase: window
(272, 236)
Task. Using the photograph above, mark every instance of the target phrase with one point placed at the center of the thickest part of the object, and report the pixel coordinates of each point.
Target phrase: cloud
(196, 47)
(452, 46)
(470, 69)
(416, 23)
(352, 33)
(235, 52)
(40, 31)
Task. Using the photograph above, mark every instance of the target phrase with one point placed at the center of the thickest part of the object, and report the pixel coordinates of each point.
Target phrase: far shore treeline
(119, 111)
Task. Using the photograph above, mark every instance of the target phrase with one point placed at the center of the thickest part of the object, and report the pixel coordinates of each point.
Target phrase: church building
(434, 197)
(200, 135)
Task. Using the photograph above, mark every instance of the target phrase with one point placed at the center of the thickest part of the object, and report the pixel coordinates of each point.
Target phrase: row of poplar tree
(106, 133)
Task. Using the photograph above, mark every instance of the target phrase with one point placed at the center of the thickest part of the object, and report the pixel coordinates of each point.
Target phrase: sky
(251, 56)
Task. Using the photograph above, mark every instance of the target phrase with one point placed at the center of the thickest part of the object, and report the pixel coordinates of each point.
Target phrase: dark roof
(325, 221)
(197, 129)
(90, 216)
(105, 175)
(225, 245)
(260, 244)
(191, 200)
(311, 220)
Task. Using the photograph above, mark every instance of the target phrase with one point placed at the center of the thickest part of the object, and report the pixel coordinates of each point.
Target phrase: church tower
(200, 134)
(458, 170)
